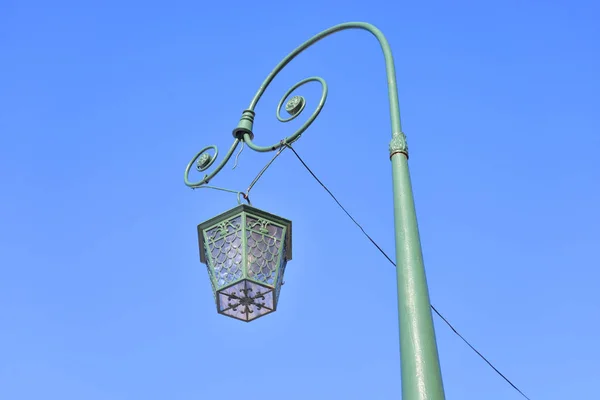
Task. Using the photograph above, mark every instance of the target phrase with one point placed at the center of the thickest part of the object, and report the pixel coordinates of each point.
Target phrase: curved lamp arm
(243, 132)
(244, 129)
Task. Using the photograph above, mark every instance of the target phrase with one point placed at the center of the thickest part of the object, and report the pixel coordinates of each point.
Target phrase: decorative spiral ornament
(295, 105)
(204, 160)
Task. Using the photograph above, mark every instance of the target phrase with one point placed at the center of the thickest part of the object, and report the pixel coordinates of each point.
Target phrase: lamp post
(421, 376)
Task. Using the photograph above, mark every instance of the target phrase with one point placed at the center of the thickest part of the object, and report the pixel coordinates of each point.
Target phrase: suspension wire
(478, 353)
(239, 194)
(246, 195)
(262, 171)
(340, 204)
(393, 263)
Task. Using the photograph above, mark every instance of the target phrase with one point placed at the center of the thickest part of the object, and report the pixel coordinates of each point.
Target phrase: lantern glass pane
(263, 256)
(224, 243)
(280, 275)
(210, 273)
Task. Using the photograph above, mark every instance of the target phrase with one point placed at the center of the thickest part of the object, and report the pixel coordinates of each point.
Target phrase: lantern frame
(245, 250)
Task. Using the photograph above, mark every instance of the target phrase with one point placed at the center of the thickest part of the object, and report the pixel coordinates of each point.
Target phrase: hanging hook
(243, 195)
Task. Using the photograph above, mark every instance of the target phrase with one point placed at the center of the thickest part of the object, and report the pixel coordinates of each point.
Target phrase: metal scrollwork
(295, 105)
(203, 160)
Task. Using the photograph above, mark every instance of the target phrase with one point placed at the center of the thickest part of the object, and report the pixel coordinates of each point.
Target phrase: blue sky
(103, 103)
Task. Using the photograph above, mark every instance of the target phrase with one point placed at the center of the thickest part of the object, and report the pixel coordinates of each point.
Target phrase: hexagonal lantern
(246, 250)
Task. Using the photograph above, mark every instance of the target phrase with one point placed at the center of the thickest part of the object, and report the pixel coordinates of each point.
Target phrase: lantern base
(246, 300)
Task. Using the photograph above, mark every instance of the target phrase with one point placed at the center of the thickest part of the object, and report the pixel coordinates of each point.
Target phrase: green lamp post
(241, 286)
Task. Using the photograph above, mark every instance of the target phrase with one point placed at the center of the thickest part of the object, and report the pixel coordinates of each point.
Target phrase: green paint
(208, 177)
(398, 144)
(243, 249)
(421, 376)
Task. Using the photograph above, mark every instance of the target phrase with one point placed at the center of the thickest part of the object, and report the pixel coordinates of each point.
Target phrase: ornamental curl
(204, 160)
(294, 107)
(296, 104)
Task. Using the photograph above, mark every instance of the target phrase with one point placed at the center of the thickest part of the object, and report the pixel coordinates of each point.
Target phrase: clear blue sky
(103, 103)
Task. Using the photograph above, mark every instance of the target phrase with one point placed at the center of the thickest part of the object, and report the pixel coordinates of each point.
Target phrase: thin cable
(478, 353)
(262, 171)
(393, 263)
(238, 156)
(245, 196)
(340, 204)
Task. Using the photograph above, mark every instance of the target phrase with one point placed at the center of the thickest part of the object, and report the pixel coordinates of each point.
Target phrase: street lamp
(421, 376)
(245, 250)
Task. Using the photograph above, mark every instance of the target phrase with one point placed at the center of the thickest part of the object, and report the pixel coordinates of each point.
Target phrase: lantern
(246, 250)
